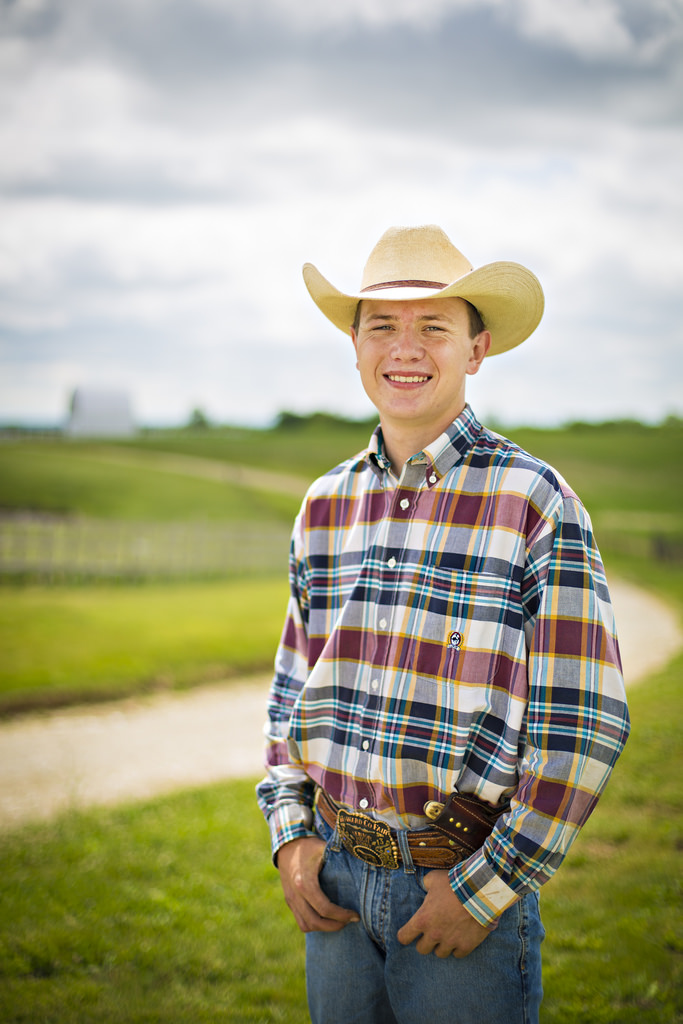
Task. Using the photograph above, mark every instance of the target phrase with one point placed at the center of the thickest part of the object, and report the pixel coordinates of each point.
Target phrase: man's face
(413, 359)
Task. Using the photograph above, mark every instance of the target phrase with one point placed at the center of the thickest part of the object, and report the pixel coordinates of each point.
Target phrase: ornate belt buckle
(367, 839)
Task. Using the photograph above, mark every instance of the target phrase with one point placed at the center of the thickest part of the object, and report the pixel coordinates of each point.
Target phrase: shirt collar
(375, 454)
(440, 456)
(453, 445)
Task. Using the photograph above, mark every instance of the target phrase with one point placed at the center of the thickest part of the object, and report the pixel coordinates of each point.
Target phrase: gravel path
(139, 748)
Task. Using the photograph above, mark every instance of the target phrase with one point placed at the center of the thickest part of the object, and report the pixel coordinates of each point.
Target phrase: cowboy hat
(422, 262)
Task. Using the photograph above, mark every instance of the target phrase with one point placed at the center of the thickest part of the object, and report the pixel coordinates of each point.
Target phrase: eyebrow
(426, 318)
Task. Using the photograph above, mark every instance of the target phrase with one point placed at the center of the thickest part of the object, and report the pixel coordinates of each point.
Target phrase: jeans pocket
(325, 833)
(420, 875)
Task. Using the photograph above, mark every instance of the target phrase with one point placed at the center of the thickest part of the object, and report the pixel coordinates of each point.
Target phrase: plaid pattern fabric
(451, 630)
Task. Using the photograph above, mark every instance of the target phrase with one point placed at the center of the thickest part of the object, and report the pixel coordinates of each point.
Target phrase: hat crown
(414, 254)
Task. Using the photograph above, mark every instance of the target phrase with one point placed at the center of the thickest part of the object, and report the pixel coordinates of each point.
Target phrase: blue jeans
(363, 975)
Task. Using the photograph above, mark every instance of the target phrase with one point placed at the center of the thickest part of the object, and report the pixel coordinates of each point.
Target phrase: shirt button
(392, 563)
(382, 623)
(375, 684)
(404, 503)
(366, 744)
(432, 478)
(363, 803)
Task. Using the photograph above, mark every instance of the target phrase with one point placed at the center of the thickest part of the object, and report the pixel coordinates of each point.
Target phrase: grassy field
(185, 632)
(80, 479)
(62, 645)
(614, 951)
(170, 910)
(627, 474)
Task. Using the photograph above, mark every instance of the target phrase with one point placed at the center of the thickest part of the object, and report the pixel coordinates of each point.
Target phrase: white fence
(52, 548)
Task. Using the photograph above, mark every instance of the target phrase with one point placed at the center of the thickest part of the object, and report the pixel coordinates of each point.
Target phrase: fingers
(309, 920)
(442, 925)
(299, 863)
(426, 941)
(409, 932)
(318, 912)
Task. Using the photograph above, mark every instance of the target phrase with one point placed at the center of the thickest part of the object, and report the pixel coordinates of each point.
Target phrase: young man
(448, 701)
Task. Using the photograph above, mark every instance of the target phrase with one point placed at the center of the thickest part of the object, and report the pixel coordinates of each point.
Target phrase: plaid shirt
(451, 630)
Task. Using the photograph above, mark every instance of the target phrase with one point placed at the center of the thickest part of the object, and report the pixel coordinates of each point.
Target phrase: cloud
(606, 29)
(167, 168)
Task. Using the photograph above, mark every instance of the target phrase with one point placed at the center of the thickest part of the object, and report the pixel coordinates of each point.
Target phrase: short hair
(476, 323)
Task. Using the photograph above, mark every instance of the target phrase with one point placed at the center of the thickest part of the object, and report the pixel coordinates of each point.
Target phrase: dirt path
(139, 748)
(207, 469)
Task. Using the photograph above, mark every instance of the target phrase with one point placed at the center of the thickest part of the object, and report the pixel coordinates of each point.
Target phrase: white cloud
(162, 190)
(593, 29)
(590, 28)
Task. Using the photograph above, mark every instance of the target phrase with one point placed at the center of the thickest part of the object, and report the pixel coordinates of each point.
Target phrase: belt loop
(406, 855)
(335, 840)
(334, 843)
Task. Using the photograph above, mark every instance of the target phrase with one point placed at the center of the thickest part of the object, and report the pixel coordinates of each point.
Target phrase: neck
(403, 440)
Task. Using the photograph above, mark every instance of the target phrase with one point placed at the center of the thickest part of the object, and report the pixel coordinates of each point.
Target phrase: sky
(167, 166)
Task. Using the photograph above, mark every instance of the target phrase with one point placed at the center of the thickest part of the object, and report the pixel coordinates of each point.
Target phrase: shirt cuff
(288, 822)
(483, 894)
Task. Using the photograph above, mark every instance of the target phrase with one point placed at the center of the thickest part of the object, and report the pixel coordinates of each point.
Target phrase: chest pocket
(464, 624)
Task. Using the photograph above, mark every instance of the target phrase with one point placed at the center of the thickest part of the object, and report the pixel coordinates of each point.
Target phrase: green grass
(62, 644)
(308, 449)
(170, 910)
(628, 475)
(167, 911)
(79, 479)
(623, 471)
(71, 643)
(614, 951)
(615, 467)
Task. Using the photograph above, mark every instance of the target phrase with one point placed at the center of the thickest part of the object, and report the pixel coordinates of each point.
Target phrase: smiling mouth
(399, 378)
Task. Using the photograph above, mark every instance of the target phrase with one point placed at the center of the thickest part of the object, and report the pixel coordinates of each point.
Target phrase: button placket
(404, 502)
(387, 573)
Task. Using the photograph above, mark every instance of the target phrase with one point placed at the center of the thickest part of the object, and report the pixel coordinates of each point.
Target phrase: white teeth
(406, 380)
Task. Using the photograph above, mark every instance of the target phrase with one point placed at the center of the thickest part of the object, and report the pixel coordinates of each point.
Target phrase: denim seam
(363, 894)
(523, 929)
(384, 906)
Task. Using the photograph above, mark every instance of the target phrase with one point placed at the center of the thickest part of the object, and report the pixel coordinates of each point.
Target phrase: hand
(442, 924)
(300, 862)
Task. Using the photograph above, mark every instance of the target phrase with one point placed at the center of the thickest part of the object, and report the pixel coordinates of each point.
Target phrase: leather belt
(460, 827)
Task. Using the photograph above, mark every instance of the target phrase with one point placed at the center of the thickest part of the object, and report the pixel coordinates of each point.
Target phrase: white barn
(100, 412)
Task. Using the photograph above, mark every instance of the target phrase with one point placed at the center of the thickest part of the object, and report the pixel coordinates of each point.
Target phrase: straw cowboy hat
(422, 262)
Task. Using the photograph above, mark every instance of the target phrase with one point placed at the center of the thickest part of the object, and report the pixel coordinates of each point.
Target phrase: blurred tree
(199, 420)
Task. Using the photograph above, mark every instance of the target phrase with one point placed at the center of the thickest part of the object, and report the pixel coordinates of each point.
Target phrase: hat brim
(509, 299)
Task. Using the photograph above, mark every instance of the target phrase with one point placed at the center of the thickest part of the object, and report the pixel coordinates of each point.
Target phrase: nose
(406, 344)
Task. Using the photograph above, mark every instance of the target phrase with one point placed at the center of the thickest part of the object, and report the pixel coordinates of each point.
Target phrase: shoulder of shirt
(337, 480)
(490, 448)
(493, 448)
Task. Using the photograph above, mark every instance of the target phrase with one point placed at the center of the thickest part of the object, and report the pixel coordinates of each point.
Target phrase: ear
(354, 339)
(480, 346)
